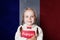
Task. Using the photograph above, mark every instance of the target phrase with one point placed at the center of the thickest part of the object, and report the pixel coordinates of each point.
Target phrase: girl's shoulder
(39, 28)
(19, 27)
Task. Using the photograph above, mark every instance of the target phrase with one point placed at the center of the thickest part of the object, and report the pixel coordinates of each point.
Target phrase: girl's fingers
(35, 36)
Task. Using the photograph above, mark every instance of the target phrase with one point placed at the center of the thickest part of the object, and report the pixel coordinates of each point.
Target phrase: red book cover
(27, 34)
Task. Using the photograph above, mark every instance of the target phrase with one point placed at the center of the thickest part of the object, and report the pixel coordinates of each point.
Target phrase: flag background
(9, 18)
(49, 19)
(35, 5)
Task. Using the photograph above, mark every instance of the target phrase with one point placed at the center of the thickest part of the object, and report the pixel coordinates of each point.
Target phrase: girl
(29, 30)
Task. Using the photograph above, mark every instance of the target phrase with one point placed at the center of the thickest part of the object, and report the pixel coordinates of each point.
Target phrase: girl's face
(29, 17)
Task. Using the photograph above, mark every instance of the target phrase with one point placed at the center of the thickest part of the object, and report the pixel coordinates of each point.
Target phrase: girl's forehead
(29, 12)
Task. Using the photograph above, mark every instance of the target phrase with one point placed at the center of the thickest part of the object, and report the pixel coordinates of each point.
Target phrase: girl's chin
(29, 24)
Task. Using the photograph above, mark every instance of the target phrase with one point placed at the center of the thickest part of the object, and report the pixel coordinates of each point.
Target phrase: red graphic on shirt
(27, 34)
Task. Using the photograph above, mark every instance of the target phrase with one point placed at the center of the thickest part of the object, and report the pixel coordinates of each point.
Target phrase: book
(27, 34)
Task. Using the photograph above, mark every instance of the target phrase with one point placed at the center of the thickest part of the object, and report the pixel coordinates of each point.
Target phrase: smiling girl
(29, 30)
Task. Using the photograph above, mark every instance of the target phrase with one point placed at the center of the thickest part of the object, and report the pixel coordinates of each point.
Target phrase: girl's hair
(33, 12)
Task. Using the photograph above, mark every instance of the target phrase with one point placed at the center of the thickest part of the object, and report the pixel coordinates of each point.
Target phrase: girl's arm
(18, 36)
(40, 36)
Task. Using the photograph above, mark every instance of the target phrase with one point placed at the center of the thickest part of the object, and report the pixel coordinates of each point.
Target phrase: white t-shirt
(34, 28)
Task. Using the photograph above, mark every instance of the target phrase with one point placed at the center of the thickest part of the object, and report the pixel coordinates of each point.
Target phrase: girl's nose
(29, 18)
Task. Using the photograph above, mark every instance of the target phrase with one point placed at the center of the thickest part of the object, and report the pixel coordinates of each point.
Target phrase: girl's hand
(33, 38)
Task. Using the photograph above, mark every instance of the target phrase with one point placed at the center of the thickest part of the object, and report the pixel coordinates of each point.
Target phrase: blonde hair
(33, 12)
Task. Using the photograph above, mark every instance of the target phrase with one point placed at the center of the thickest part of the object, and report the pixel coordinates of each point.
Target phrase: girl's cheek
(33, 20)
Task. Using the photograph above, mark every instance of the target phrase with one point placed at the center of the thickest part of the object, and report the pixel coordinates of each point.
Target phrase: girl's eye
(26, 16)
(32, 16)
